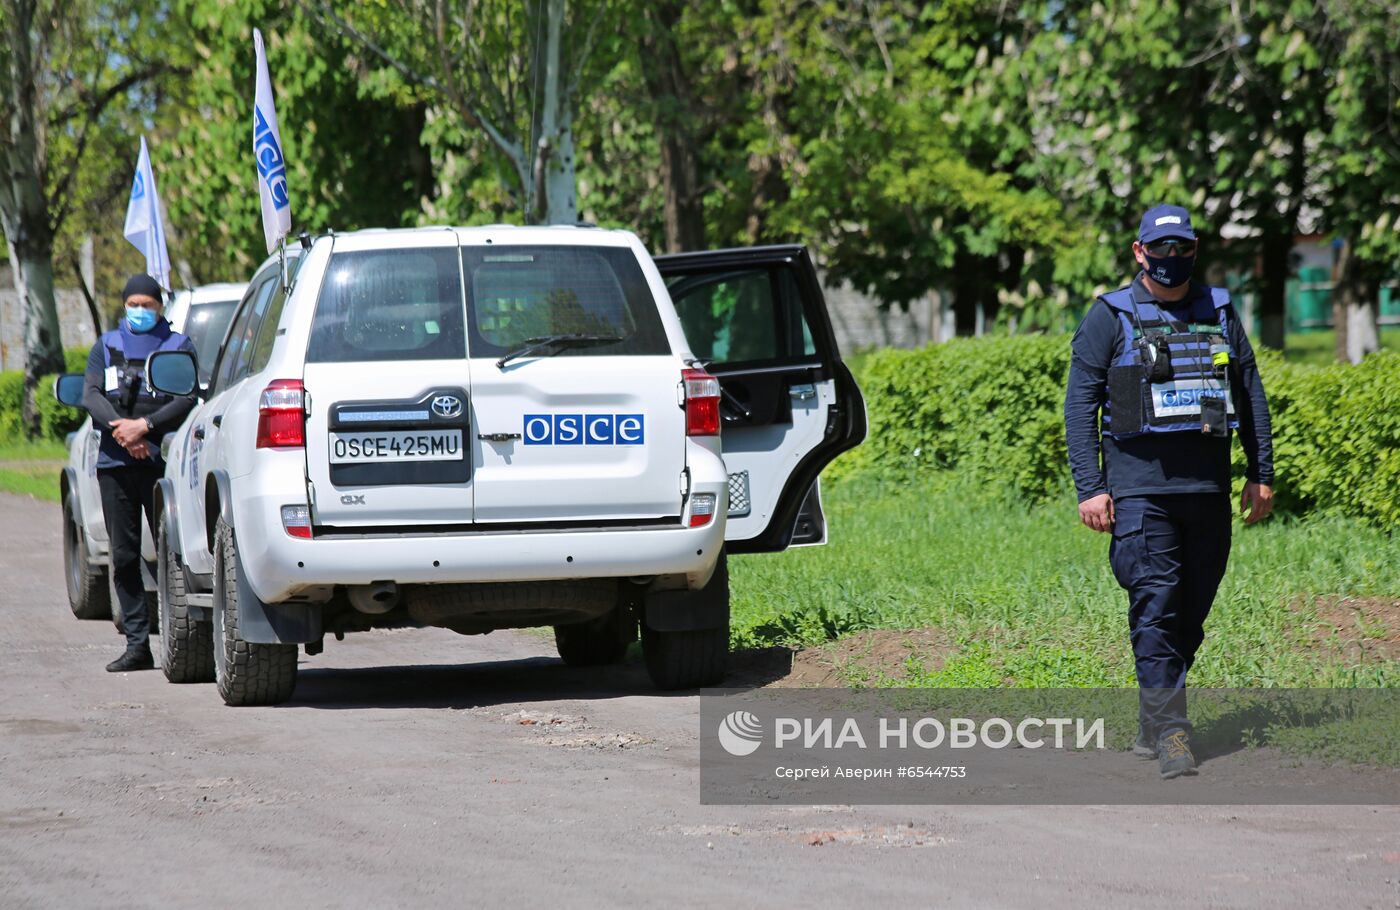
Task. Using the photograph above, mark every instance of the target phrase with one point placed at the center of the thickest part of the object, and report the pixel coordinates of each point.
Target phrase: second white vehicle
(495, 427)
(202, 313)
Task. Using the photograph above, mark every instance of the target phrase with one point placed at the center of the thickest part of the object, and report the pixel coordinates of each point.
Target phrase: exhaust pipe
(375, 598)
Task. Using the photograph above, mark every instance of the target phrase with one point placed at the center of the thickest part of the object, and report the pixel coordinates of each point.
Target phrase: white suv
(202, 313)
(495, 427)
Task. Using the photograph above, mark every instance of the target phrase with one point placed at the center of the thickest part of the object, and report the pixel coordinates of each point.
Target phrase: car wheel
(692, 657)
(597, 642)
(247, 673)
(88, 594)
(186, 644)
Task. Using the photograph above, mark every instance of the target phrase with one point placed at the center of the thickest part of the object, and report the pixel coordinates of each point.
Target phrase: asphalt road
(420, 768)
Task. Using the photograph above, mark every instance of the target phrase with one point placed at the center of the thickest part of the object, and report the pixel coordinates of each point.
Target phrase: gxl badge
(447, 406)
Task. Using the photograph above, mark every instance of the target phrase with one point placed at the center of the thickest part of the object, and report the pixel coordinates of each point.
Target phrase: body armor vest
(1167, 365)
(130, 397)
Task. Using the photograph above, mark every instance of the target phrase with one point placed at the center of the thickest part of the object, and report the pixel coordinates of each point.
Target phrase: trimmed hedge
(55, 420)
(1338, 430)
(992, 409)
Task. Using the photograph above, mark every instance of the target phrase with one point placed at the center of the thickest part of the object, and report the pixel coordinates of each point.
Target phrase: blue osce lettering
(1186, 398)
(272, 167)
(584, 429)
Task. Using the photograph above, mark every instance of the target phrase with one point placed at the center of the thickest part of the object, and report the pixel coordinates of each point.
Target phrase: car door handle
(218, 420)
(199, 432)
(803, 392)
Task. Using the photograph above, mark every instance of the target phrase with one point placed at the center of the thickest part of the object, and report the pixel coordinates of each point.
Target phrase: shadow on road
(487, 683)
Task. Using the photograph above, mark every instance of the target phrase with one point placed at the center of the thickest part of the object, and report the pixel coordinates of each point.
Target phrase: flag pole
(282, 261)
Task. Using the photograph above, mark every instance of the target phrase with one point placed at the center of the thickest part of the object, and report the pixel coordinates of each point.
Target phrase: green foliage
(1337, 436)
(55, 419)
(991, 410)
(354, 155)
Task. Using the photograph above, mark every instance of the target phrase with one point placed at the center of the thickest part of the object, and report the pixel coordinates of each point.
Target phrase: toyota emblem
(447, 406)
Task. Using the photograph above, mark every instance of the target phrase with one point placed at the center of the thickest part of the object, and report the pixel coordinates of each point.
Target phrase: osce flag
(143, 227)
(267, 149)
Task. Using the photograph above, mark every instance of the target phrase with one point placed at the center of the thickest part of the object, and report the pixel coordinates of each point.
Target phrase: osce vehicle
(488, 428)
(202, 313)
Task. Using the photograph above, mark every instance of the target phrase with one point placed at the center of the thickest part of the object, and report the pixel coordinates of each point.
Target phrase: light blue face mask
(140, 319)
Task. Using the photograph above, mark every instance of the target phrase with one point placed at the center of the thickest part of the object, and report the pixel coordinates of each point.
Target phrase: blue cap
(1165, 221)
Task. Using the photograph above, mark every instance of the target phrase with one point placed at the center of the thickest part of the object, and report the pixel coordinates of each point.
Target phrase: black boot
(1174, 756)
(133, 659)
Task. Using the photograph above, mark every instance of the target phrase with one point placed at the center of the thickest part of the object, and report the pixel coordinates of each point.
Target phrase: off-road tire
(246, 673)
(686, 660)
(186, 644)
(89, 596)
(599, 642)
(694, 657)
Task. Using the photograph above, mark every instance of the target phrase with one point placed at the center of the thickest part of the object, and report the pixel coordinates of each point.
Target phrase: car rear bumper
(280, 566)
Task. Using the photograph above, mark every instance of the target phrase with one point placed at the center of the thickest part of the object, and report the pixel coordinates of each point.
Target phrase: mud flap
(688, 611)
(271, 624)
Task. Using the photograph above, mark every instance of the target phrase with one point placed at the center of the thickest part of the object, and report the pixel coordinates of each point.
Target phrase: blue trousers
(1169, 553)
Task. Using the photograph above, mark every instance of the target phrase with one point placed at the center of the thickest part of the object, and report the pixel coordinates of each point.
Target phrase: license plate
(409, 445)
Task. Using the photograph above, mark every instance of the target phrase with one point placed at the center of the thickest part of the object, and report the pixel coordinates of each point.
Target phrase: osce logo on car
(584, 429)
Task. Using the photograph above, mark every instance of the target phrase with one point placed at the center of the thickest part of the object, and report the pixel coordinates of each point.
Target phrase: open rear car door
(757, 321)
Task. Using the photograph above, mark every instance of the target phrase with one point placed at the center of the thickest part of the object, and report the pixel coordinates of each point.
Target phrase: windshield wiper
(557, 343)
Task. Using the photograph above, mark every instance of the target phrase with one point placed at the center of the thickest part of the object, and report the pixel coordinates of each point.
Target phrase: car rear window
(516, 293)
(205, 325)
(389, 305)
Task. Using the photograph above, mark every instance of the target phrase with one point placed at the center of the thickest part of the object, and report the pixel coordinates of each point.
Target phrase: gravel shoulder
(423, 768)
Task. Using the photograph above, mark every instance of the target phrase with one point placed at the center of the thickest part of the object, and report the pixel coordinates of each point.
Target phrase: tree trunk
(24, 213)
(1355, 307)
(966, 293)
(975, 282)
(669, 89)
(1274, 267)
(32, 265)
(556, 191)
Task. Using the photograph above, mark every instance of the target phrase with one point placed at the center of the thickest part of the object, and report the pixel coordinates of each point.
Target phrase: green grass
(1320, 348)
(32, 468)
(1026, 597)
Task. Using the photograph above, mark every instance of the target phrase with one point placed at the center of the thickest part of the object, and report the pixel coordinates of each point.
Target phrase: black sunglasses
(1166, 246)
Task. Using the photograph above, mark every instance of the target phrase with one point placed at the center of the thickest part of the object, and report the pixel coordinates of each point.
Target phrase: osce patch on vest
(1168, 366)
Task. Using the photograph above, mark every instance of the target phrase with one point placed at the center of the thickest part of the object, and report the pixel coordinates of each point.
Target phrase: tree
(58, 82)
(354, 154)
(511, 72)
(1360, 172)
(879, 139)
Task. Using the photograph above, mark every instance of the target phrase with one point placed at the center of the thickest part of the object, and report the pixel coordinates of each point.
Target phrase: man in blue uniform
(1161, 374)
(132, 420)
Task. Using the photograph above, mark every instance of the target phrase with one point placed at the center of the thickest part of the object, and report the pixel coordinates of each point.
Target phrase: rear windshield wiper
(556, 343)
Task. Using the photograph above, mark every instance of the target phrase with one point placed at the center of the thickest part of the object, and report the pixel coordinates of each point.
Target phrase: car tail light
(702, 509)
(701, 403)
(296, 521)
(282, 415)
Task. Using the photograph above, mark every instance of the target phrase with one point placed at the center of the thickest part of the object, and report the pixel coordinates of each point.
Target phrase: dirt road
(420, 768)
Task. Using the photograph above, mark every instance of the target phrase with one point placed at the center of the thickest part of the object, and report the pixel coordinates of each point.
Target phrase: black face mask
(1169, 271)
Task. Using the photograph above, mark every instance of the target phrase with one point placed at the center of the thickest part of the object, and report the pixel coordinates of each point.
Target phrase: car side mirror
(68, 389)
(172, 372)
